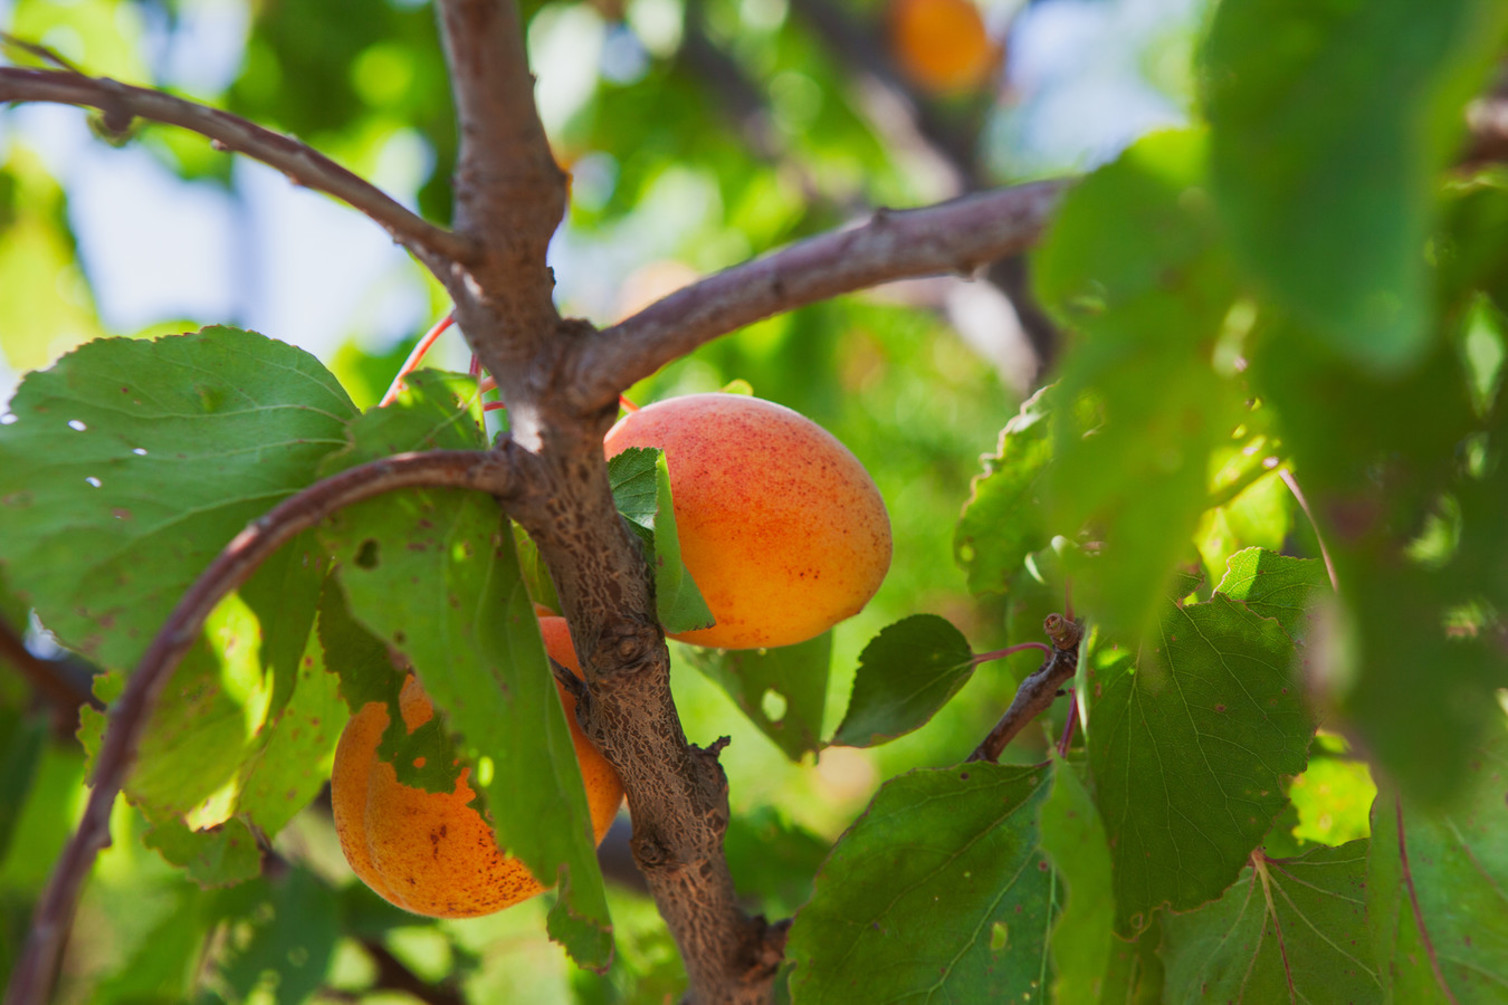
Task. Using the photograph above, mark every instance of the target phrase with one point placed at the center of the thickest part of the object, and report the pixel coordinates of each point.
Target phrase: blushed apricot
(780, 525)
(429, 852)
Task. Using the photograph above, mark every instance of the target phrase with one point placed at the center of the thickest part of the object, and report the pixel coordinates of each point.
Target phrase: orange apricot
(942, 45)
(430, 852)
(781, 527)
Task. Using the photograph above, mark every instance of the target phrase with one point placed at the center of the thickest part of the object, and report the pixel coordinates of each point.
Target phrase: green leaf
(1288, 930)
(1328, 123)
(1332, 800)
(1453, 864)
(783, 690)
(1074, 837)
(773, 860)
(188, 438)
(939, 891)
(1189, 751)
(1275, 586)
(284, 595)
(294, 761)
(434, 574)
(640, 479)
(1258, 515)
(906, 673)
(1134, 266)
(222, 855)
(1003, 520)
(678, 602)
(292, 940)
(362, 662)
(22, 739)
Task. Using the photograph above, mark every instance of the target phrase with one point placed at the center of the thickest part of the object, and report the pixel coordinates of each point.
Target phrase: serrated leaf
(640, 480)
(1134, 265)
(1082, 936)
(788, 680)
(1275, 586)
(1328, 123)
(1288, 930)
(222, 855)
(1189, 751)
(906, 673)
(1003, 520)
(433, 573)
(294, 761)
(1452, 863)
(938, 891)
(132, 463)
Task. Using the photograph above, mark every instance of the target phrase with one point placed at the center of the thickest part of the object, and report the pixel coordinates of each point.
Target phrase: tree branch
(63, 684)
(303, 165)
(490, 471)
(1037, 693)
(958, 236)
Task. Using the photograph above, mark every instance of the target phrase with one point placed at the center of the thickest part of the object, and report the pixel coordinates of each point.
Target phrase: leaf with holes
(782, 690)
(1190, 749)
(434, 575)
(1437, 887)
(184, 440)
(906, 673)
(938, 892)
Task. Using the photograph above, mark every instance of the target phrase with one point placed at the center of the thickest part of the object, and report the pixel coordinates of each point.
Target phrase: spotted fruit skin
(781, 527)
(430, 852)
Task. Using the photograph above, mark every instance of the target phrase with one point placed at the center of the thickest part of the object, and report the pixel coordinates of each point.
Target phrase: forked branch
(490, 471)
(121, 103)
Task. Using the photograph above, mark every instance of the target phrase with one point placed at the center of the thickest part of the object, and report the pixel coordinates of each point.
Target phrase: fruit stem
(409, 365)
(1010, 651)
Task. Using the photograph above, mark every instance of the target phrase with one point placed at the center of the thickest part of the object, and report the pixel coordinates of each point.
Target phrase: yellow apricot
(429, 852)
(942, 45)
(780, 525)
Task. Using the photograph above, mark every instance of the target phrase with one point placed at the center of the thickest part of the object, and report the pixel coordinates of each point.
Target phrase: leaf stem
(1037, 693)
(1298, 494)
(425, 343)
(1010, 651)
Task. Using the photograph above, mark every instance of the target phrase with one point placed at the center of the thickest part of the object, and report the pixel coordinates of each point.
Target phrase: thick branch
(1037, 693)
(489, 471)
(510, 193)
(305, 166)
(958, 236)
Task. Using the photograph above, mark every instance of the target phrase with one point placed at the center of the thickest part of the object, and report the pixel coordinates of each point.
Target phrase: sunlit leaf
(1081, 936)
(218, 856)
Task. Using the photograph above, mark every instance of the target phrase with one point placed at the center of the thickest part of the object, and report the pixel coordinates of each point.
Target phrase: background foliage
(1299, 281)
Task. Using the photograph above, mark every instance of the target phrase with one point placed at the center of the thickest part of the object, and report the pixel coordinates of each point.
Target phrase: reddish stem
(409, 365)
(1069, 724)
(627, 405)
(1011, 651)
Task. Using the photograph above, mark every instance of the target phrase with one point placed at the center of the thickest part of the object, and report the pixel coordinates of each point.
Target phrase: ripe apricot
(429, 852)
(780, 525)
(942, 45)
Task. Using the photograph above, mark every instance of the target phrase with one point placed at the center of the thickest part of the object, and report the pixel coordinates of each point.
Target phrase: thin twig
(490, 471)
(63, 685)
(1037, 693)
(304, 165)
(41, 52)
(959, 236)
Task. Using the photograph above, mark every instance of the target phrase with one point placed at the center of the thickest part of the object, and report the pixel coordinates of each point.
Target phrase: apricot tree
(1256, 513)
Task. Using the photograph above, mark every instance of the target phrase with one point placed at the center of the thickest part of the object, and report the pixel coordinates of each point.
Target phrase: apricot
(942, 45)
(780, 525)
(429, 852)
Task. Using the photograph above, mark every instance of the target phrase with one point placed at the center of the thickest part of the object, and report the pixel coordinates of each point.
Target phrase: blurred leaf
(417, 567)
(1134, 265)
(782, 690)
(1328, 122)
(1189, 751)
(1452, 864)
(1003, 521)
(945, 865)
(1257, 516)
(906, 673)
(22, 739)
(222, 855)
(1074, 837)
(165, 964)
(773, 860)
(1288, 930)
(188, 438)
(1333, 799)
(1136, 976)
(1275, 586)
(292, 941)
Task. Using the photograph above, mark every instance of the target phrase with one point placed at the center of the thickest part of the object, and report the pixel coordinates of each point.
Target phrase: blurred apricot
(942, 45)
(781, 527)
(430, 852)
